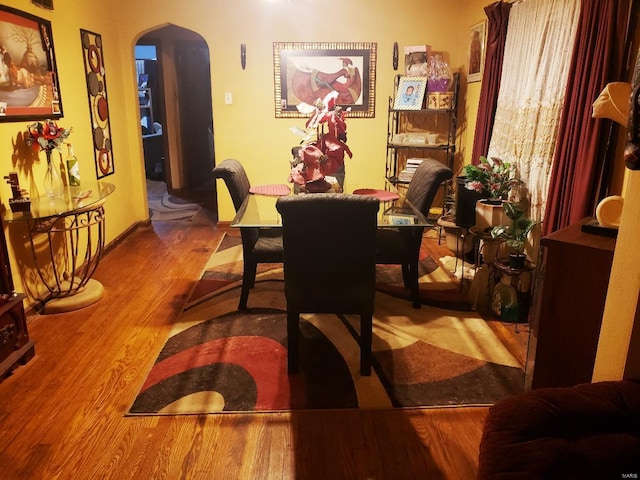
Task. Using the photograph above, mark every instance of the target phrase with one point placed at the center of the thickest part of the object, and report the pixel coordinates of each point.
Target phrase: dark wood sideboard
(568, 303)
(15, 346)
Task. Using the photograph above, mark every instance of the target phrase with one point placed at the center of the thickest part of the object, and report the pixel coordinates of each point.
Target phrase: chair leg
(366, 326)
(293, 330)
(415, 287)
(248, 281)
(406, 275)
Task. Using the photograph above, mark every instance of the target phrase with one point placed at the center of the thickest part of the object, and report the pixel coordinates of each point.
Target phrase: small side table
(486, 250)
(73, 226)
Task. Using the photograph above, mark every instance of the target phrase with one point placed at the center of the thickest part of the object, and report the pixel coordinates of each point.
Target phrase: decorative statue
(20, 201)
(313, 160)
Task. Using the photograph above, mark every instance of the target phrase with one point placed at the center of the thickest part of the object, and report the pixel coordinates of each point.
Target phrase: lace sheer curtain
(537, 57)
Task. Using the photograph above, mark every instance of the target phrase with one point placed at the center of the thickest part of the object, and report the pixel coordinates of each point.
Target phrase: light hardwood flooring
(62, 414)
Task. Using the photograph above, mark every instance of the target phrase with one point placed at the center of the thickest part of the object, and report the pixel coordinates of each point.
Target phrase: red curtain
(498, 19)
(598, 57)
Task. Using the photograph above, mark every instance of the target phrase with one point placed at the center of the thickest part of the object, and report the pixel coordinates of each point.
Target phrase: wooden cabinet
(410, 133)
(15, 345)
(569, 297)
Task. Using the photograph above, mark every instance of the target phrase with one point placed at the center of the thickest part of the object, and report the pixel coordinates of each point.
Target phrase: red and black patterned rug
(220, 359)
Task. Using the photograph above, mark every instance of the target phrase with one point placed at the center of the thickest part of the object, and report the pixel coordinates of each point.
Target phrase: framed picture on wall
(477, 42)
(29, 87)
(410, 94)
(306, 72)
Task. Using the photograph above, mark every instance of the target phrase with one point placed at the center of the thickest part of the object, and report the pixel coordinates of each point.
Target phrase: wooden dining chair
(329, 262)
(258, 245)
(401, 246)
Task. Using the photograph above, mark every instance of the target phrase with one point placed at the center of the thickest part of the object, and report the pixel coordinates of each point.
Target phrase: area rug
(168, 207)
(219, 359)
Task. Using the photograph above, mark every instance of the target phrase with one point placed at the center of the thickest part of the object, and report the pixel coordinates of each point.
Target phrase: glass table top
(260, 211)
(87, 195)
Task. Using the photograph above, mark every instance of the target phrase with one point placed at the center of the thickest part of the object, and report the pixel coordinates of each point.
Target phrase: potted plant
(515, 235)
(492, 177)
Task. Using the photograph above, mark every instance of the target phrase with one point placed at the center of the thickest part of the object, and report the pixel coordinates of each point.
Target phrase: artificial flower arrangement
(491, 176)
(46, 136)
(314, 159)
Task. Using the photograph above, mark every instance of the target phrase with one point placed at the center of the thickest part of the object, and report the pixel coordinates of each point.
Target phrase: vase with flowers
(47, 136)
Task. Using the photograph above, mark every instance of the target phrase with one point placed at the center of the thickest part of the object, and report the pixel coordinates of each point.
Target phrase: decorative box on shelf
(440, 100)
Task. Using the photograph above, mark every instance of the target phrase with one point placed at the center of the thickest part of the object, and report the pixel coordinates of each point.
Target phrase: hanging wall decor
(48, 4)
(306, 72)
(98, 104)
(477, 42)
(29, 87)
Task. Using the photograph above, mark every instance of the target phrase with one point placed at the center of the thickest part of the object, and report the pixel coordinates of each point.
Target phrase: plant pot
(457, 243)
(466, 204)
(490, 214)
(517, 260)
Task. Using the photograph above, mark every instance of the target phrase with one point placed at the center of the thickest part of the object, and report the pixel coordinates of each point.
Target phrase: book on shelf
(411, 166)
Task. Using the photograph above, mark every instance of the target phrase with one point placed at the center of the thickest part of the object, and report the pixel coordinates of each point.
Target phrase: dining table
(260, 211)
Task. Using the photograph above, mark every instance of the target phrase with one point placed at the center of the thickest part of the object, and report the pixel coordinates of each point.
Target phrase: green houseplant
(492, 177)
(515, 235)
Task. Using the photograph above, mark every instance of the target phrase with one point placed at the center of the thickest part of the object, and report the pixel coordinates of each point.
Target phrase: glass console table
(66, 238)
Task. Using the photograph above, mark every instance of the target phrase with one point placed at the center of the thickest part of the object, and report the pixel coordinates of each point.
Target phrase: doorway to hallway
(174, 84)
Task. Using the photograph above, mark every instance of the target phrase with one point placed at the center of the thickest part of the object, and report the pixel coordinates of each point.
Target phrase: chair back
(329, 242)
(235, 177)
(425, 183)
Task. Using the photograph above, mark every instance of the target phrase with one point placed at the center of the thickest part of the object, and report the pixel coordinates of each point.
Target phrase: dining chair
(258, 245)
(402, 246)
(329, 262)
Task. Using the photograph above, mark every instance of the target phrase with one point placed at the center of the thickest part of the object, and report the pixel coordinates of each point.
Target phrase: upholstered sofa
(589, 431)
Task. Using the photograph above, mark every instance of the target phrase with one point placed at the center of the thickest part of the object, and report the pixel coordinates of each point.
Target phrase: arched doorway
(174, 85)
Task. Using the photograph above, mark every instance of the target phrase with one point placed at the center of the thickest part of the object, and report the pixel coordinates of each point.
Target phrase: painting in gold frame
(306, 72)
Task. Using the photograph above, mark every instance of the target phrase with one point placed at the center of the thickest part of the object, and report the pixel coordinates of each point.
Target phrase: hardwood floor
(62, 414)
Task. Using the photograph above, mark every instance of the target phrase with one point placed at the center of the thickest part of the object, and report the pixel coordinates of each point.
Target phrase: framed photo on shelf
(307, 72)
(477, 41)
(29, 87)
(410, 94)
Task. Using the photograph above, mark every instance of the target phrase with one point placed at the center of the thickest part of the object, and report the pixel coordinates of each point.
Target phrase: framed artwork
(416, 60)
(477, 41)
(306, 72)
(29, 87)
(98, 102)
(410, 93)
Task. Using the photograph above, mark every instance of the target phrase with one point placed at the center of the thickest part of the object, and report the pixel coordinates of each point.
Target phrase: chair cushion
(268, 248)
(582, 432)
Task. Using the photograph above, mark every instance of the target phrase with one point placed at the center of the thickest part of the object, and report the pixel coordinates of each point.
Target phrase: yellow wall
(248, 129)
